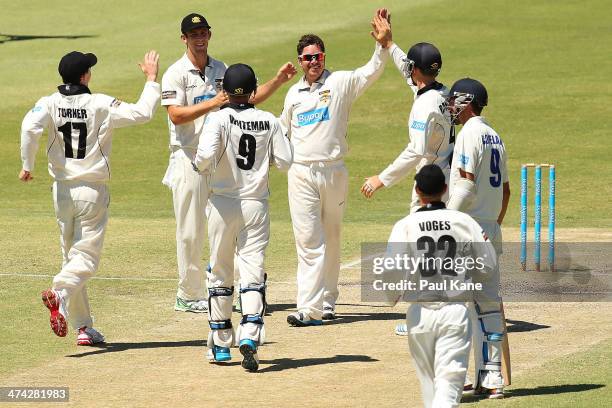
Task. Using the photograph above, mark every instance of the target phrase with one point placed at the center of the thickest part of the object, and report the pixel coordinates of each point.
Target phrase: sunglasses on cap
(318, 57)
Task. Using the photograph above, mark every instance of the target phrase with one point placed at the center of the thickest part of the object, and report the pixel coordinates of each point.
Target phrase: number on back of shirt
(246, 149)
(431, 247)
(66, 129)
(495, 170)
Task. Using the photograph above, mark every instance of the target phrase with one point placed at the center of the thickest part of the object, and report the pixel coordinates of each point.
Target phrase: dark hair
(476, 108)
(309, 39)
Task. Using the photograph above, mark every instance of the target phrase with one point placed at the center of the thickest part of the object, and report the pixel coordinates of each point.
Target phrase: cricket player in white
(80, 126)
(429, 127)
(315, 117)
(439, 332)
(191, 88)
(480, 188)
(238, 144)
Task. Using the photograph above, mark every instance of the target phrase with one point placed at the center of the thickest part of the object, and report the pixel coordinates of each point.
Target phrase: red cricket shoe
(88, 336)
(57, 306)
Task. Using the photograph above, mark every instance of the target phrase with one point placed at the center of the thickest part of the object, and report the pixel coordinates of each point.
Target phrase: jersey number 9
(495, 170)
(246, 148)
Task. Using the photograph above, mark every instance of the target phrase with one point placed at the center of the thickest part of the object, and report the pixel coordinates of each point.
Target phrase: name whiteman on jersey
(256, 125)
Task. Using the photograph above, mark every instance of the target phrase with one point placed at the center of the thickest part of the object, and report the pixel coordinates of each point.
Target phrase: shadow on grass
(363, 305)
(16, 37)
(280, 307)
(345, 318)
(552, 389)
(520, 326)
(281, 364)
(117, 347)
(541, 390)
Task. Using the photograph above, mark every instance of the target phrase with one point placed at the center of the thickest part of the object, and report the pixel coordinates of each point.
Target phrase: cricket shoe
(218, 354)
(195, 306)
(490, 393)
(468, 389)
(88, 336)
(401, 329)
(57, 306)
(248, 349)
(299, 319)
(328, 313)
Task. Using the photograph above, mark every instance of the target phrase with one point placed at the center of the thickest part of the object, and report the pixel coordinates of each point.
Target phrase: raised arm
(284, 74)
(126, 114)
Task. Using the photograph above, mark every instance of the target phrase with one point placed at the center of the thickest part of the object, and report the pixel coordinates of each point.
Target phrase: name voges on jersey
(255, 125)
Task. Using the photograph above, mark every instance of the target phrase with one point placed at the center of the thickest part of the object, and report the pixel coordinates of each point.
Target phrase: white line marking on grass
(349, 265)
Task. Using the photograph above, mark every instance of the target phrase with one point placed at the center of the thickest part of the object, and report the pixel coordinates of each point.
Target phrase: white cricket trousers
(439, 341)
(317, 200)
(488, 354)
(82, 213)
(238, 231)
(190, 191)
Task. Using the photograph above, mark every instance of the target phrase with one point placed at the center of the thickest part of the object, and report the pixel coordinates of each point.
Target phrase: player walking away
(429, 127)
(480, 188)
(315, 117)
(80, 126)
(439, 332)
(191, 88)
(237, 145)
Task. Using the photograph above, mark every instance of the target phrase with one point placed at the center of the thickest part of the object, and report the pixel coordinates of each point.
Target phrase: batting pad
(253, 310)
(219, 317)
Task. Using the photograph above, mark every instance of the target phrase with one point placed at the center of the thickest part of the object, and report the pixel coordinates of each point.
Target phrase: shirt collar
(434, 85)
(435, 205)
(475, 119)
(304, 86)
(238, 106)
(189, 65)
(69, 89)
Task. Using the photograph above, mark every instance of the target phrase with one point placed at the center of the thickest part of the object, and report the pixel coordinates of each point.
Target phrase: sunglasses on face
(318, 57)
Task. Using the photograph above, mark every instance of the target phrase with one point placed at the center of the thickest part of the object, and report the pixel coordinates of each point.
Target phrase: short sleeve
(172, 89)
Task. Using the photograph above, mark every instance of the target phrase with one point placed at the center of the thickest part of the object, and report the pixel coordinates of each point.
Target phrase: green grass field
(544, 64)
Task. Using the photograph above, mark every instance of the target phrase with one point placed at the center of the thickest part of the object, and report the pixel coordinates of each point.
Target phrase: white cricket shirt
(184, 85)
(434, 231)
(429, 129)
(479, 150)
(238, 143)
(315, 117)
(80, 128)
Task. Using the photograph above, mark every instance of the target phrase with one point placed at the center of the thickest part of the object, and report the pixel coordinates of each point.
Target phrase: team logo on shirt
(36, 109)
(324, 96)
(416, 125)
(463, 159)
(313, 116)
(115, 103)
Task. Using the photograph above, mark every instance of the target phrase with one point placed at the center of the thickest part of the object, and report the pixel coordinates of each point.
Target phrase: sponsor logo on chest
(416, 125)
(201, 98)
(313, 116)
